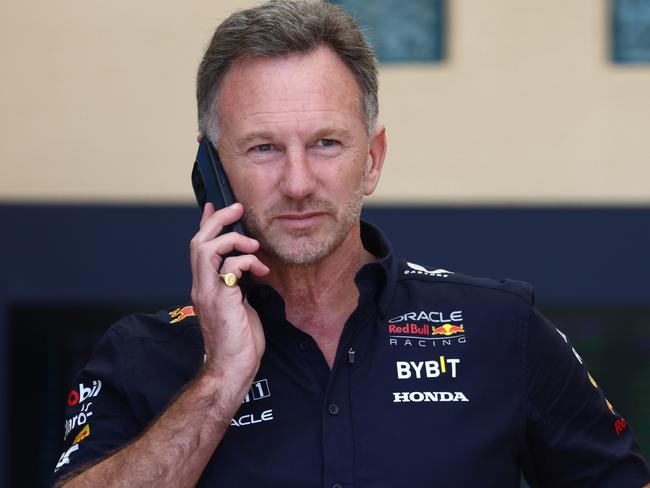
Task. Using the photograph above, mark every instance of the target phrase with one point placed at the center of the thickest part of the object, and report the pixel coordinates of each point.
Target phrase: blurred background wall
(98, 105)
(522, 153)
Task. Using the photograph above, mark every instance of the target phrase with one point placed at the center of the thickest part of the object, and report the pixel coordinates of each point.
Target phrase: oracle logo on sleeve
(259, 390)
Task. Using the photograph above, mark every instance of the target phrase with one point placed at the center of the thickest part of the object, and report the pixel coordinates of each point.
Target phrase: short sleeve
(574, 436)
(98, 418)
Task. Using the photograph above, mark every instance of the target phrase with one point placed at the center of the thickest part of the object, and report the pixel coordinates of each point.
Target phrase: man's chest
(431, 399)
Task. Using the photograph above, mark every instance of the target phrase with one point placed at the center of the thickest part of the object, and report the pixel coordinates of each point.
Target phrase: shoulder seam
(528, 301)
(123, 330)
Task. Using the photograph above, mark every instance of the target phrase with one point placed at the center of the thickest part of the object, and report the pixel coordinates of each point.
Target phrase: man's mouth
(300, 220)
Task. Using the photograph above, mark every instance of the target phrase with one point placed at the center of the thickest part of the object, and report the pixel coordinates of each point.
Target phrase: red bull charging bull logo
(448, 329)
(181, 313)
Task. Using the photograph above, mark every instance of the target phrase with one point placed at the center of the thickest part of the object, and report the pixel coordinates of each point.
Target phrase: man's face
(296, 150)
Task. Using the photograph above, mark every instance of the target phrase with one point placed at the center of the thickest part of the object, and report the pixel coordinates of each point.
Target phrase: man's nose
(297, 180)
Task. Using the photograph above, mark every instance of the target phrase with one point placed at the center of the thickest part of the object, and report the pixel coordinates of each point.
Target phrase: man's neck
(319, 297)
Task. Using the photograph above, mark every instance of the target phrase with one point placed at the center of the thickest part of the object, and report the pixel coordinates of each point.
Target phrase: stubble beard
(303, 248)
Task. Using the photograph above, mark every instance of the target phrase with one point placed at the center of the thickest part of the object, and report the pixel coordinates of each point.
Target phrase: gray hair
(277, 28)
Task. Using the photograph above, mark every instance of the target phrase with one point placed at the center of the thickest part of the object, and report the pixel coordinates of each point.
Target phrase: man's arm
(574, 435)
(174, 450)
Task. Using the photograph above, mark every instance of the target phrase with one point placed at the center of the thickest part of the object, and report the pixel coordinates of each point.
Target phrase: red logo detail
(85, 432)
(409, 329)
(181, 314)
(73, 397)
(448, 329)
(620, 425)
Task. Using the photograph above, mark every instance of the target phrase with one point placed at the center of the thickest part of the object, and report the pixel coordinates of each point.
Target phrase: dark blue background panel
(568, 254)
(133, 252)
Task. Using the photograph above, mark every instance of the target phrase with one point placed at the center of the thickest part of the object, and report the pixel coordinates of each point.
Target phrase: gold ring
(229, 279)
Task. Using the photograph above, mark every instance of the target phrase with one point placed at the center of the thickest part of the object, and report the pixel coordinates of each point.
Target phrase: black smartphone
(210, 182)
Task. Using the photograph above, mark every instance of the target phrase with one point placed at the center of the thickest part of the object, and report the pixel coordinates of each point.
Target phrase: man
(303, 379)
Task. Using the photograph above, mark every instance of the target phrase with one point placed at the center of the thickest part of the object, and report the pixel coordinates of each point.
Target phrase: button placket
(338, 447)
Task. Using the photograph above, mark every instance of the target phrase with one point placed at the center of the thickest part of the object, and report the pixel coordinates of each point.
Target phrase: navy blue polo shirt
(440, 380)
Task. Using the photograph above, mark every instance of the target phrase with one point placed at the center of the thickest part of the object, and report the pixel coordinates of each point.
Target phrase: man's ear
(375, 161)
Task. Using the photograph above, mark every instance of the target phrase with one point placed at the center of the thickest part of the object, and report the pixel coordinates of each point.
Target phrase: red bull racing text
(427, 329)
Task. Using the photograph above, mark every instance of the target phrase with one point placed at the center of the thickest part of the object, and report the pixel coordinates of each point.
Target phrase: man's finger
(206, 256)
(246, 262)
(233, 241)
(212, 224)
(208, 211)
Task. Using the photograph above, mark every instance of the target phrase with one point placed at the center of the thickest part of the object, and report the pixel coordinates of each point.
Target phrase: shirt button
(333, 409)
(303, 346)
(337, 485)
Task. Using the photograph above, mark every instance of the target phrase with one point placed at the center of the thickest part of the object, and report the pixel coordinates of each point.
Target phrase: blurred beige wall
(97, 104)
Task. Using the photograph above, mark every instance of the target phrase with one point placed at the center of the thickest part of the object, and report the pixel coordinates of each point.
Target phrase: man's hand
(175, 448)
(232, 332)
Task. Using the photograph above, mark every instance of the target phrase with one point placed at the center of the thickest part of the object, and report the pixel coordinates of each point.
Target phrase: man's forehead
(312, 80)
(321, 66)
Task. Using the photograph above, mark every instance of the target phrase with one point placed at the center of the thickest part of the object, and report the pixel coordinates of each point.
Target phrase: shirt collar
(379, 276)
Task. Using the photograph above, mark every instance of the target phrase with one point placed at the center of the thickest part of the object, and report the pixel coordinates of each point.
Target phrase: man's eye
(264, 147)
(326, 142)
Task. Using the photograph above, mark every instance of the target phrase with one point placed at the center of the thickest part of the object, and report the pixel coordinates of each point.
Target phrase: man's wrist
(222, 392)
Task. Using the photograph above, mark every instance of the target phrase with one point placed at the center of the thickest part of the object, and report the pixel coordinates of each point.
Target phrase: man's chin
(302, 246)
(299, 251)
